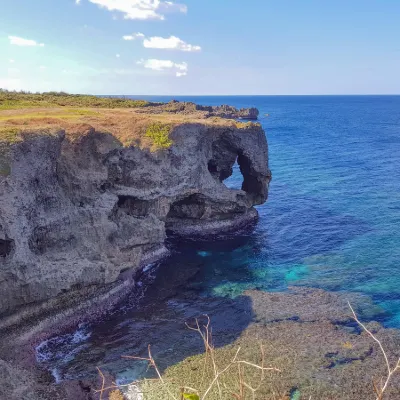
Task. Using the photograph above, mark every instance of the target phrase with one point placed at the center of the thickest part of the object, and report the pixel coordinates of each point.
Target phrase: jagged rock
(78, 213)
(224, 111)
(249, 113)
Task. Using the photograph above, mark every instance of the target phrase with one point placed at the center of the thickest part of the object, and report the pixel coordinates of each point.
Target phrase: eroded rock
(189, 108)
(77, 213)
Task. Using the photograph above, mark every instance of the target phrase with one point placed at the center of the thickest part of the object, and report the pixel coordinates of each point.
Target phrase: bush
(159, 134)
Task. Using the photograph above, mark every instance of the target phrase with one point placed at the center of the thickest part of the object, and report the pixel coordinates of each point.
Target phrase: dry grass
(116, 395)
(381, 386)
(151, 131)
(242, 372)
(221, 378)
(131, 122)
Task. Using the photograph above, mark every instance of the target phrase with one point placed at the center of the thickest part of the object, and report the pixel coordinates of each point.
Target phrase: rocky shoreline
(308, 334)
(82, 216)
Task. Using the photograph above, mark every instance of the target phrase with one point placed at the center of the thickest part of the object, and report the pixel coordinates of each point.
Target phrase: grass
(129, 121)
(159, 135)
(245, 371)
(9, 135)
(18, 100)
(73, 113)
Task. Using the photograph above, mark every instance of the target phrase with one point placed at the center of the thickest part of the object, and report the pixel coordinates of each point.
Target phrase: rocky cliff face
(76, 214)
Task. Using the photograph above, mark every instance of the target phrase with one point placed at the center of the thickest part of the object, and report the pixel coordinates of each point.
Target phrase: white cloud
(133, 36)
(78, 2)
(118, 55)
(180, 69)
(42, 67)
(171, 43)
(18, 41)
(11, 61)
(141, 9)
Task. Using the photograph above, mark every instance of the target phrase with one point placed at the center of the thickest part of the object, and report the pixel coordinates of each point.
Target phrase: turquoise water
(332, 222)
(333, 216)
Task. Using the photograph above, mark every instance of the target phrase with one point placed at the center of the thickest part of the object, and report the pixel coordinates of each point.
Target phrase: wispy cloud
(133, 36)
(141, 9)
(171, 43)
(180, 69)
(18, 41)
(118, 55)
(11, 61)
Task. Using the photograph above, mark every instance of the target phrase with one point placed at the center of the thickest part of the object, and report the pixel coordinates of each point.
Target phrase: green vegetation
(18, 100)
(9, 135)
(159, 134)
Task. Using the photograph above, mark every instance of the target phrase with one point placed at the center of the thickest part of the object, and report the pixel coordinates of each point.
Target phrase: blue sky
(201, 47)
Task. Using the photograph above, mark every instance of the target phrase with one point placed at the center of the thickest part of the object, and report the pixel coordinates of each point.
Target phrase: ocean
(332, 221)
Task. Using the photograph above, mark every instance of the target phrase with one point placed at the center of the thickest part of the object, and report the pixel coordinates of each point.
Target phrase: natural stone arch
(252, 184)
(220, 166)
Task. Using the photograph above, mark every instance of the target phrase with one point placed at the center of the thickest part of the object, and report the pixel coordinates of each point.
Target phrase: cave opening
(133, 206)
(251, 184)
(6, 247)
(191, 207)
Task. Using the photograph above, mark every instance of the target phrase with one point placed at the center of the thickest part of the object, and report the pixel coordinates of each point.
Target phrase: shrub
(159, 134)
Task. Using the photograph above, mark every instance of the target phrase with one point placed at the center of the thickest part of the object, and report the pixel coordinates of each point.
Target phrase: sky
(201, 47)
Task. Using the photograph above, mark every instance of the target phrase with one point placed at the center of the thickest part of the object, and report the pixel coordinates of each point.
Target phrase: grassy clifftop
(131, 122)
(17, 100)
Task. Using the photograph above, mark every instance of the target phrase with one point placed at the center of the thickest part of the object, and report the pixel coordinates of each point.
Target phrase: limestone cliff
(78, 212)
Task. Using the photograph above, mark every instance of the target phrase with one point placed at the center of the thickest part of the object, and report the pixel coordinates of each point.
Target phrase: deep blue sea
(332, 220)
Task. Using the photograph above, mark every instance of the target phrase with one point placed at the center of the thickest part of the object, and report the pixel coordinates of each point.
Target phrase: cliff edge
(86, 194)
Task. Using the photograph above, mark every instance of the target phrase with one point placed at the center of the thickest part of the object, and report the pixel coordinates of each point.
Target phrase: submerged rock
(77, 212)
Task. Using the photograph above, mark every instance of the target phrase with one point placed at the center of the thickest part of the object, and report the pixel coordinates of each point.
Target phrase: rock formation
(189, 108)
(78, 213)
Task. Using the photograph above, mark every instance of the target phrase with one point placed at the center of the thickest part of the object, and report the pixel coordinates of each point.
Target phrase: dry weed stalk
(379, 391)
(206, 335)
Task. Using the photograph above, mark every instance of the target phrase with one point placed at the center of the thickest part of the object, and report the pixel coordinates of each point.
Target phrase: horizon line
(250, 95)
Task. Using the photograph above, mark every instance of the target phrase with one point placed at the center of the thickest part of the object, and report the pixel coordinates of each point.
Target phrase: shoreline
(91, 304)
(296, 309)
(27, 332)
